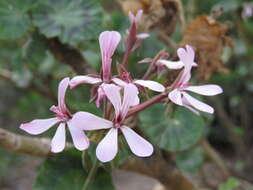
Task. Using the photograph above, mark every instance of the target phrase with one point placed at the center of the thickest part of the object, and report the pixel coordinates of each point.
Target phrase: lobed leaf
(64, 171)
(176, 133)
(14, 20)
(72, 21)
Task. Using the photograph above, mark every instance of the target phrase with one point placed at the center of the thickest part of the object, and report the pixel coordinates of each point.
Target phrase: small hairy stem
(91, 175)
(151, 67)
(125, 58)
(146, 104)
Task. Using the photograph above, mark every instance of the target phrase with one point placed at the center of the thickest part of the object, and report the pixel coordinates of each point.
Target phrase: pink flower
(108, 41)
(108, 147)
(133, 40)
(62, 117)
(179, 95)
(247, 10)
(173, 64)
(152, 85)
(135, 19)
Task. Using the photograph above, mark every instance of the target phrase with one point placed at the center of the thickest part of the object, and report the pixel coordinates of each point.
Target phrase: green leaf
(172, 133)
(190, 161)
(14, 22)
(230, 184)
(34, 51)
(72, 21)
(64, 171)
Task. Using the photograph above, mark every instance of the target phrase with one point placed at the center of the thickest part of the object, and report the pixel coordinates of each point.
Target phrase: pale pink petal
(176, 97)
(187, 105)
(186, 77)
(174, 64)
(194, 64)
(39, 126)
(108, 147)
(80, 140)
(187, 57)
(190, 52)
(108, 41)
(83, 80)
(152, 85)
(100, 95)
(136, 101)
(61, 93)
(131, 16)
(138, 145)
(146, 60)
(198, 104)
(182, 54)
(138, 15)
(191, 109)
(59, 139)
(207, 90)
(87, 121)
(171, 64)
(113, 94)
(143, 35)
(130, 92)
(119, 82)
(135, 18)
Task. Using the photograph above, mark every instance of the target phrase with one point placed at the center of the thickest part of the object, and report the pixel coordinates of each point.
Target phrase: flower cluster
(122, 92)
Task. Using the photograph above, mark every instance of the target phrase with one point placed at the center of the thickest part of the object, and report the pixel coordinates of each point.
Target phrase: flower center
(182, 86)
(63, 116)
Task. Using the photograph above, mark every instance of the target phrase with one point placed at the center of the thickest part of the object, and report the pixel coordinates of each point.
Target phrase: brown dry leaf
(159, 14)
(208, 37)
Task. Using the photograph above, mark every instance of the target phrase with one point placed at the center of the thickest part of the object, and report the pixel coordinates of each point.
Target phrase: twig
(215, 157)
(156, 167)
(164, 38)
(12, 142)
(152, 65)
(91, 175)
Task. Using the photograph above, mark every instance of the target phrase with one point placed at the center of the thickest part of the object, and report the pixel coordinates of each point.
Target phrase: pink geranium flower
(179, 95)
(135, 19)
(108, 41)
(108, 147)
(152, 85)
(62, 117)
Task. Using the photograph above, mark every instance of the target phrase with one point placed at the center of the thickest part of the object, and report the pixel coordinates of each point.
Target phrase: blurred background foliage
(33, 32)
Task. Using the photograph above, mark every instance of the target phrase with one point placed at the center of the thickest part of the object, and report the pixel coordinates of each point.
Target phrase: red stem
(146, 104)
(125, 58)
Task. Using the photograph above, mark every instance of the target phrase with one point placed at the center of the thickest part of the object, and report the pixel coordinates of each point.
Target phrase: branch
(34, 146)
(146, 104)
(156, 167)
(28, 145)
(69, 56)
